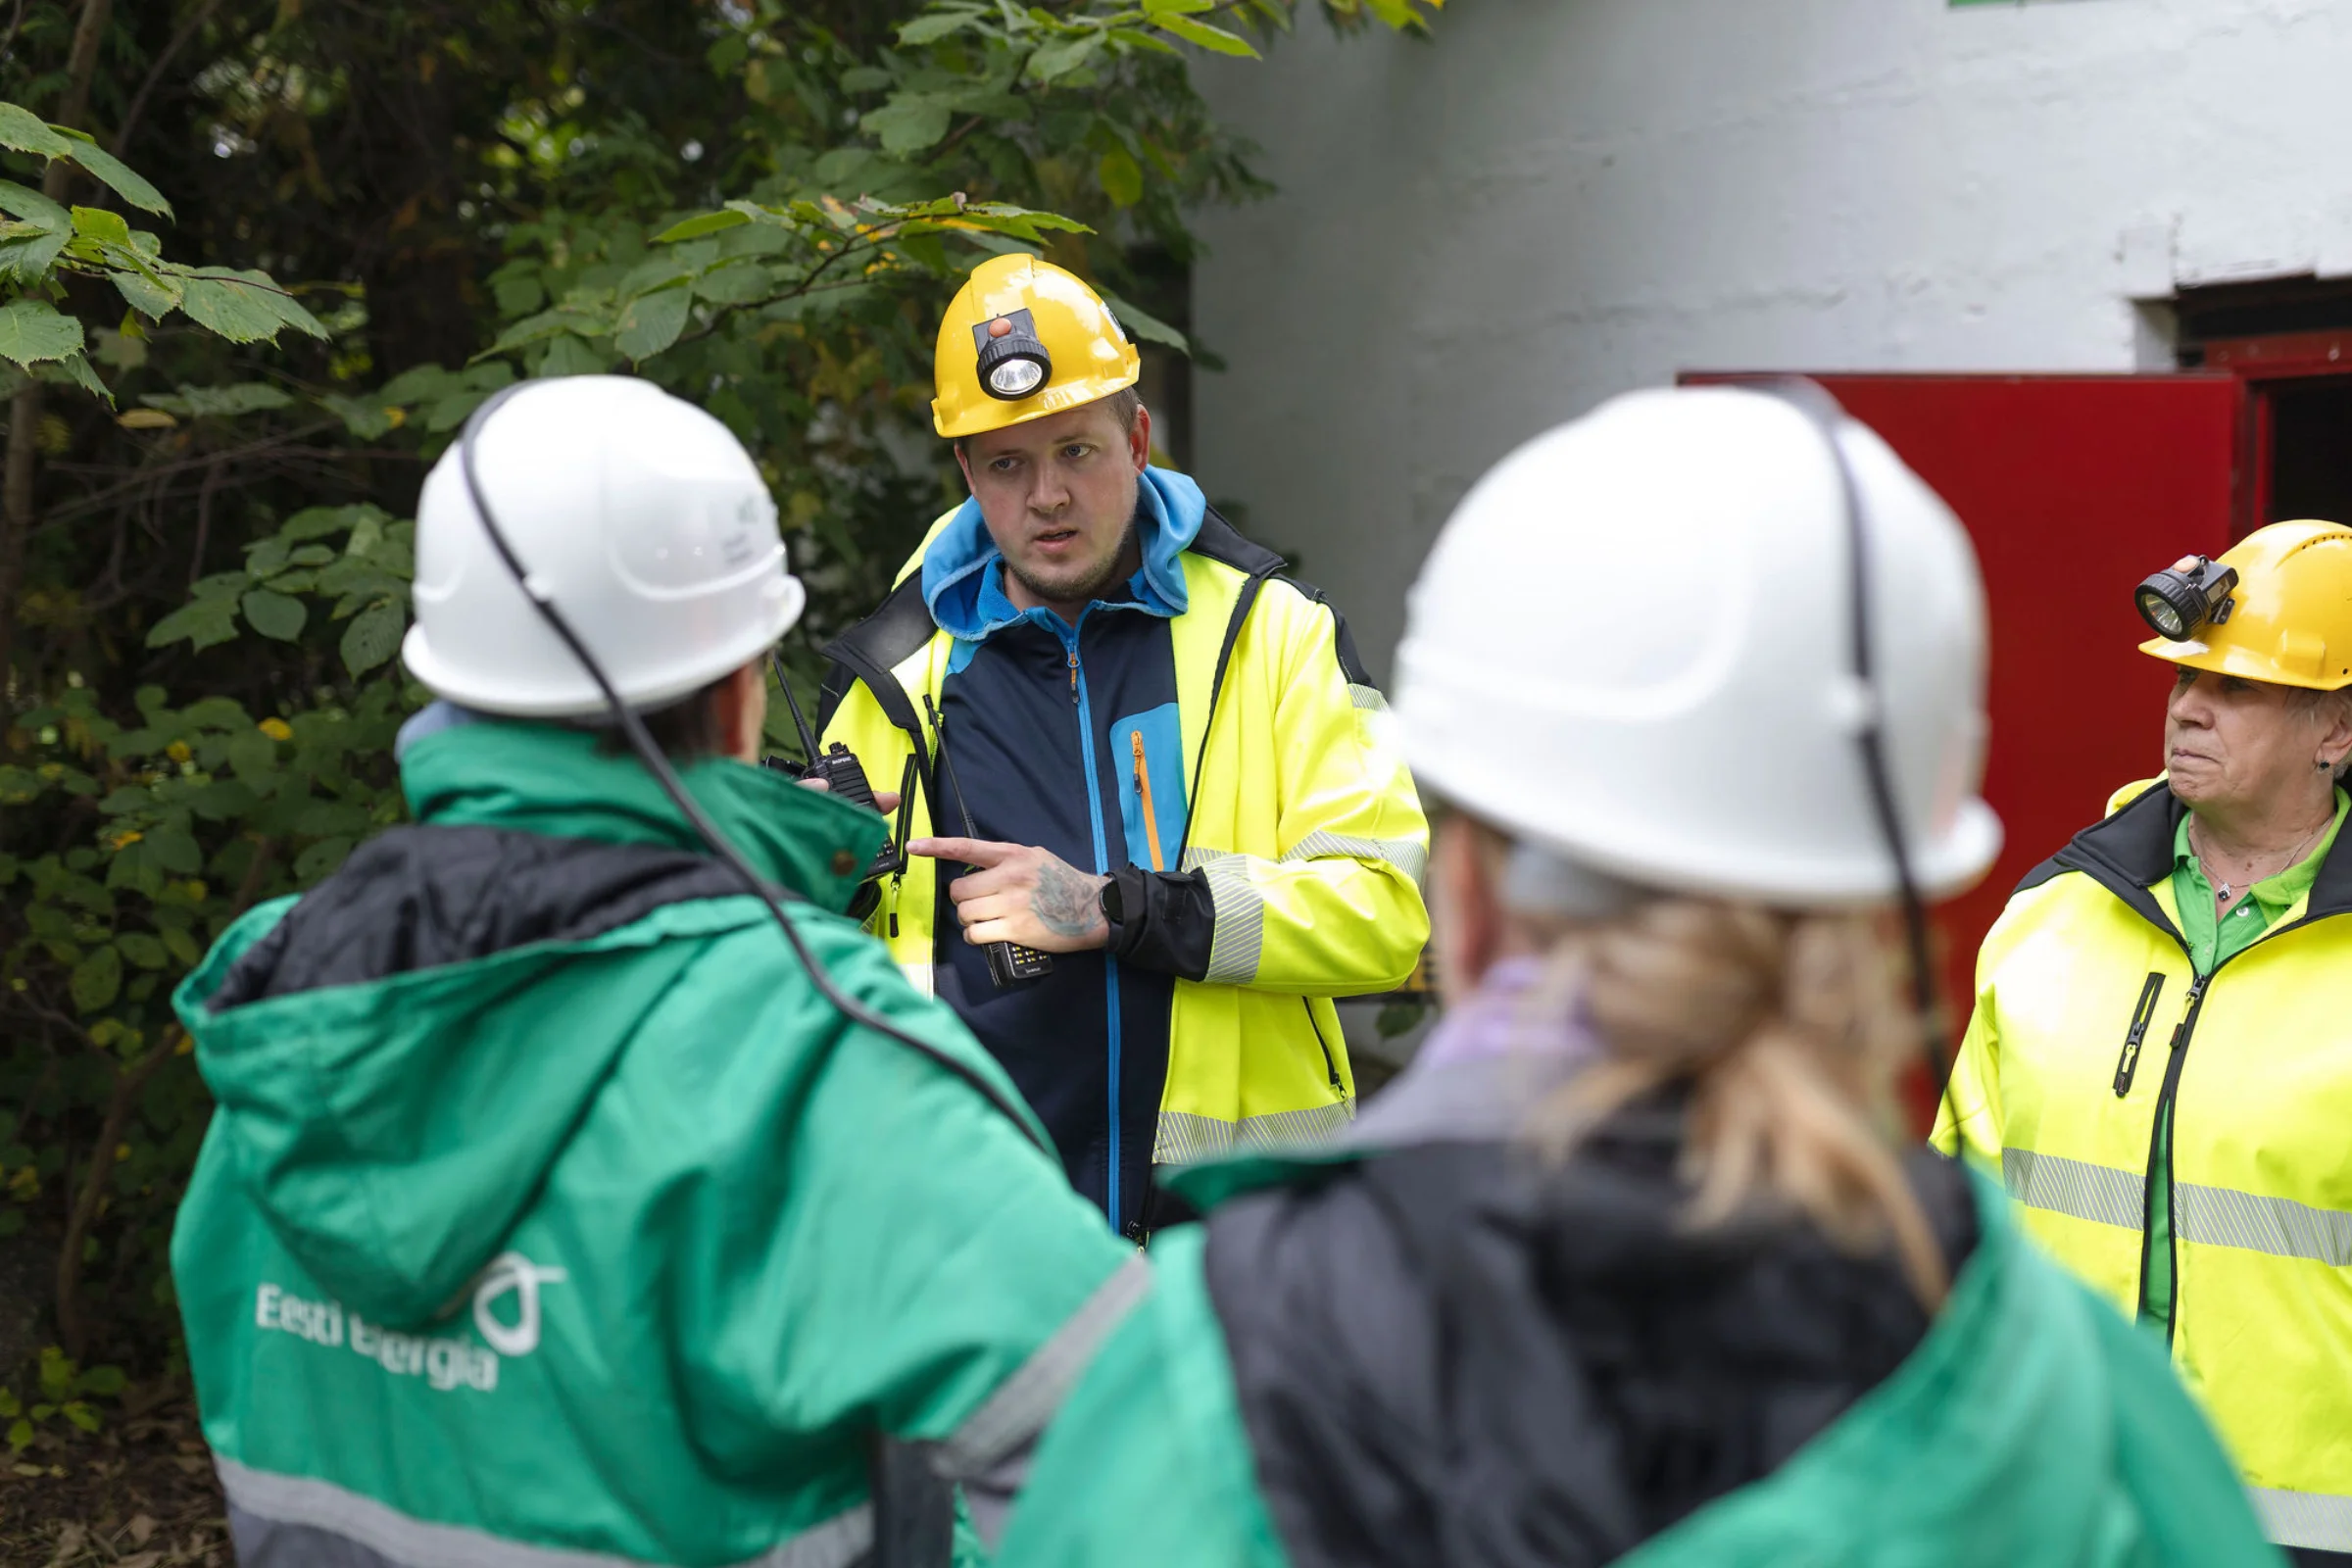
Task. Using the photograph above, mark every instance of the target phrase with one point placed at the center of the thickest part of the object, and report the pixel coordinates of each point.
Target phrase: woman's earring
(2323, 765)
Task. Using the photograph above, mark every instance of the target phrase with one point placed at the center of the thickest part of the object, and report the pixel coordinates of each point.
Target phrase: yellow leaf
(277, 729)
(124, 841)
(178, 750)
(145, 419)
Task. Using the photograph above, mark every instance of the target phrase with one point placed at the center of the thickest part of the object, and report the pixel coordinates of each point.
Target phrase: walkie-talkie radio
(843, 776)
(1009, 963)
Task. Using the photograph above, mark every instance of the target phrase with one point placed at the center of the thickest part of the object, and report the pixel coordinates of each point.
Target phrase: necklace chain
(2222, 889)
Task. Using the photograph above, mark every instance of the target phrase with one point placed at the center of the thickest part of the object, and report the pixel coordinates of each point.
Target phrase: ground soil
(140, 1494)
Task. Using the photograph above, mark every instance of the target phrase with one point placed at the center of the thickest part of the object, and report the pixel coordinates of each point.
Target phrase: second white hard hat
(1632, 645)
(644, 521)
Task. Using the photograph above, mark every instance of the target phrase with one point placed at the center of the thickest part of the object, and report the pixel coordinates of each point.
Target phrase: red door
(2074, 487)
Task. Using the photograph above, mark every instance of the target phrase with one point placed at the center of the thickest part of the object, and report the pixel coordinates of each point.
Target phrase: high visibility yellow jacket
(1290, 798)
(2090, 1021)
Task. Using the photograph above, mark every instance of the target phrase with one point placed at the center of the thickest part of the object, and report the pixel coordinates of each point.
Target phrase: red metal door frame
(2263, 364)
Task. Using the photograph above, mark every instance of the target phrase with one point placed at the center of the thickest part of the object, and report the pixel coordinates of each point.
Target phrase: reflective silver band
(2219, 1217)
(1186, 1137)
(1409, 856)
(401, 1538)
(2210, 1216)
(1026, 1402)
(1368, 698)
(2322, 1520)
(1239, 939)
(2100, 1194)
(918, 975)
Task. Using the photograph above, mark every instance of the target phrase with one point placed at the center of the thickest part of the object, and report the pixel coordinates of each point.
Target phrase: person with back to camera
(554, 1213)
(1633, 1265)
(2160, 1064)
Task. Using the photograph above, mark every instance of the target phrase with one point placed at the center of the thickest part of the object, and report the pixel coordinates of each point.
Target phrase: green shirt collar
(548, 778)
(2211, 939)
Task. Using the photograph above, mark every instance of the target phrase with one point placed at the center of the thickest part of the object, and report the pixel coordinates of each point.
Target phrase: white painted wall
(1555, 200)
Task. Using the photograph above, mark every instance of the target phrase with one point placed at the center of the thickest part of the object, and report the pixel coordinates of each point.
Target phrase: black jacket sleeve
(1165, 921)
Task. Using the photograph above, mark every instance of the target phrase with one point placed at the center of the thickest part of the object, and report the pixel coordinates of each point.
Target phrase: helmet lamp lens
(1015, 378)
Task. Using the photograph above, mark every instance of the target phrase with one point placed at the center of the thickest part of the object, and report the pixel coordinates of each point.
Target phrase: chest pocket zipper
(2128, 1064)
(1143, 790)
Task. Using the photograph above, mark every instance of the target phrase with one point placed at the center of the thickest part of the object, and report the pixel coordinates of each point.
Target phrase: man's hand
(1018, 893)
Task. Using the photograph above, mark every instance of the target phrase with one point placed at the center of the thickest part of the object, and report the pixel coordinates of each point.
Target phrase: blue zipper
(1111, 966)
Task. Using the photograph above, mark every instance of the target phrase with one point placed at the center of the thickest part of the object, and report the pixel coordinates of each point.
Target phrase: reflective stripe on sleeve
(2321, 1520)
(401, 1538)
(1368, 699)
(1408, 856)
(1239, 940)
(1027, 1400)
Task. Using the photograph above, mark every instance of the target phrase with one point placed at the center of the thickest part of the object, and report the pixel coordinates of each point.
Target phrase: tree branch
(25, 409)
(139, 100)
(129, 1085)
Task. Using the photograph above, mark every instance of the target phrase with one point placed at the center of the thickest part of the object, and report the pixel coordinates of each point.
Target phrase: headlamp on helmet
(2186, 595)
(1013, 363)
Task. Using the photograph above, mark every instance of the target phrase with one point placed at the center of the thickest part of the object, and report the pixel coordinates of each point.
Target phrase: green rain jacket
(549, 1218)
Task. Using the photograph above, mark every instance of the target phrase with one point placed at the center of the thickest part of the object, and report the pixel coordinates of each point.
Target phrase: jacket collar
(2130, 849)
(548, 778)
(963, 571)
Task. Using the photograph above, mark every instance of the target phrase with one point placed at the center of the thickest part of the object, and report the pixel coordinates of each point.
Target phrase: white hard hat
(644, 520)
(1634, 645)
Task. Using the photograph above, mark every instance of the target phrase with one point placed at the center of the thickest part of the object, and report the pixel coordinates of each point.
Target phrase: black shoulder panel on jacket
(1449, 1353)
(1220, 541)
(417, 897)
(872, 649)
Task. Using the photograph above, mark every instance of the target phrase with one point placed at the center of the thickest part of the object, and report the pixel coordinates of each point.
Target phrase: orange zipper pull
(1143, 790)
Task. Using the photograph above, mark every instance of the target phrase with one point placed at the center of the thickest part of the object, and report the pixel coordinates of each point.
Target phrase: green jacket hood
(401, 1054)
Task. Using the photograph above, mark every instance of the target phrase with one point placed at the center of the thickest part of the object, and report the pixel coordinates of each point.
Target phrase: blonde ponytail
(1789, 1032)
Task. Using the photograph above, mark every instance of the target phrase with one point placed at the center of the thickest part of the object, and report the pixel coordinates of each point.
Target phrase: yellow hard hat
(1023, 339)
(2286, 619)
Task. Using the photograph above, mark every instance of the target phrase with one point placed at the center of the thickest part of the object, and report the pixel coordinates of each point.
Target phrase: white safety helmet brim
(1632, 645)
(639, 515)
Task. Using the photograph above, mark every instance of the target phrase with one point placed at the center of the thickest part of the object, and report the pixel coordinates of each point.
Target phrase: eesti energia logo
(446, 1361)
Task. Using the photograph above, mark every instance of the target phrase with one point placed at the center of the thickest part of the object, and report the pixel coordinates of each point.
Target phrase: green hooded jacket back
(551, 1216)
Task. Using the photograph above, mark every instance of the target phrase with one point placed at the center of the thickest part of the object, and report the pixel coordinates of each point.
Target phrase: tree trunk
(25, 409)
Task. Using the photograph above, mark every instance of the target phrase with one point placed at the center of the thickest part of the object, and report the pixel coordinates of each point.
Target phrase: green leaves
(907, 124)
(650, 322)
(96, 980)
(111, 173)
(219, 402)
(32, 330)
(1216, 40)
(374, 636)
(274, 614)
(243, 307)
(24, 131)
(1121, 177)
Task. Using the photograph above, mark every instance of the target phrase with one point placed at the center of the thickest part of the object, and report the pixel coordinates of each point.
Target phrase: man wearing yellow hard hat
(1157, 821)
(2160, 1063)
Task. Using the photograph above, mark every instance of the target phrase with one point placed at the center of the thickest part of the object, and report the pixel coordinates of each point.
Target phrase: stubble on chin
(1090, 581)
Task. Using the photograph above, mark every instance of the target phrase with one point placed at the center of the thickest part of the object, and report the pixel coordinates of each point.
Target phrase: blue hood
(965, 587)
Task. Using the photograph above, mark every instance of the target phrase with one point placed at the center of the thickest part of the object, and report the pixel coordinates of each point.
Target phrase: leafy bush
(762, 207)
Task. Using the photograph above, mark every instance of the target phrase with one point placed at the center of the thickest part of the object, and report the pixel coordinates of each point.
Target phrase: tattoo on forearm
(1067, 901)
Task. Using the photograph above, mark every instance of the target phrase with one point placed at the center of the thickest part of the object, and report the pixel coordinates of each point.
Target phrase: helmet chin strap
(1814, 400)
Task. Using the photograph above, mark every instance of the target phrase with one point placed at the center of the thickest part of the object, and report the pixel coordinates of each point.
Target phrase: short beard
(1075, 589)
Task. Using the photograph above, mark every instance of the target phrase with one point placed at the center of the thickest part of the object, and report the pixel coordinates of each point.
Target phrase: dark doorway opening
(2310, 454)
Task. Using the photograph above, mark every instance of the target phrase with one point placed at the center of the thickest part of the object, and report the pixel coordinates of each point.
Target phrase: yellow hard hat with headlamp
(1022, 339)
(2276, 606)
